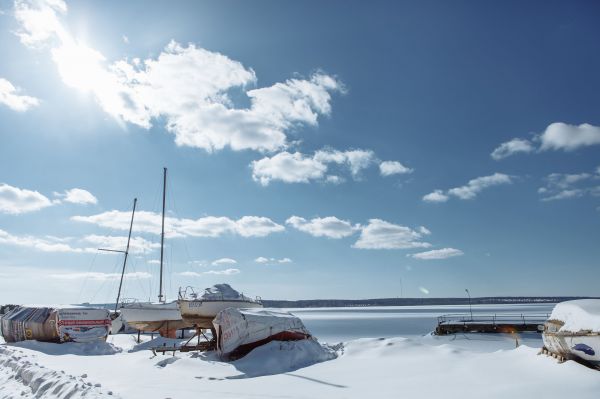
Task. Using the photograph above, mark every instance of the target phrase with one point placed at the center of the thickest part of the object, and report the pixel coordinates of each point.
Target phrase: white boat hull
(152, 317)
(200, 313)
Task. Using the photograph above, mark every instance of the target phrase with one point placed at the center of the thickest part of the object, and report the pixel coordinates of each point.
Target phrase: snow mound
(278, 357)
(19, 377)
(578, 315)
(98, 348)
(221, 291)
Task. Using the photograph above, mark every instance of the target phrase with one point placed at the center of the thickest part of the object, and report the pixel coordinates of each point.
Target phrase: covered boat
(573, 331)
(241, 330)
(55, 324)
(200, 310)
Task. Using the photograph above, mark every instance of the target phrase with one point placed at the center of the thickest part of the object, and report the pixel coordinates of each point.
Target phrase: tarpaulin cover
(238, 327)
(221, 292)
(55, 325)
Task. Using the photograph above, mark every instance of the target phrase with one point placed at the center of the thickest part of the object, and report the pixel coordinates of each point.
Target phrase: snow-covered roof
(578, 315)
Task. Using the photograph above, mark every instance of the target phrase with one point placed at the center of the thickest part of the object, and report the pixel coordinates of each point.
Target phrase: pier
(494, 323)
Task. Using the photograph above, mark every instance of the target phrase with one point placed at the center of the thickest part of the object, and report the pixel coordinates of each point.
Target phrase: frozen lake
(342, 324)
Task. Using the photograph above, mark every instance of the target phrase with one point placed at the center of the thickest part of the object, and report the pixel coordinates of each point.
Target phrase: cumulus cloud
(97, 276)
(226, 272)
(271, 261)
(557, 136)
(14, 200)
(388, 168)
(77, 196)
(209, 226)
(86, 244)
(186, 86)
(137, 245)
(470, 190)
(512, 147)
(48, 244)
(443, 253)
(224, 261)
(436, 196)
(330, 227)
(300, 168)
(9, 96)
(379, 234)
(562, 136)
(560, 186)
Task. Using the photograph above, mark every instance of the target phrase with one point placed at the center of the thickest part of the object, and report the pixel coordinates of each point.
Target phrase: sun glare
(80, 66)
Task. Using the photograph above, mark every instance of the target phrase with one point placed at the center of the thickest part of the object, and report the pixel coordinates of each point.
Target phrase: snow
(468, 366)
(578, 315)
(421, 367)
(221, 291)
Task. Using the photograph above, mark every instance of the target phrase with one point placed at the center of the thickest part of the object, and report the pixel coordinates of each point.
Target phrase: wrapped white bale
(241, 330)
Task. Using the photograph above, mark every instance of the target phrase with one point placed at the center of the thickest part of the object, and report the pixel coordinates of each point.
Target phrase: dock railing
(451, 323)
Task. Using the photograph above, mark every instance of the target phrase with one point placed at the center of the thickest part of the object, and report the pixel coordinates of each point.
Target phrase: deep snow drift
(462, 366)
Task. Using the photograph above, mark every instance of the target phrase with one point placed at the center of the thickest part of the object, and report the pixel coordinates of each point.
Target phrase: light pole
(470, 308)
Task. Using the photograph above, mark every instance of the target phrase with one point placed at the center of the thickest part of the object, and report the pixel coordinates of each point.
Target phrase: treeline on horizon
(326, 303)
(322, 303)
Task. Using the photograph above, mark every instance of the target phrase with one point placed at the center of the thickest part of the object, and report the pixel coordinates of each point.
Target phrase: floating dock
(495, 323)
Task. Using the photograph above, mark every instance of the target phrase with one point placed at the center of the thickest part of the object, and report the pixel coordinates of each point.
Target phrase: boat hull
(200, 313)
(582, 346)
(151, 317)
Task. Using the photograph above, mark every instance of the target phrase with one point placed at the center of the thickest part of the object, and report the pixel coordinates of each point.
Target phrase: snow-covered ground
(460, 366)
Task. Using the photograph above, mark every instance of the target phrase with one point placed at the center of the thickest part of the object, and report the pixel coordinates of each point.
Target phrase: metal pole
(162, 236)
(470, 308)
(126, 253)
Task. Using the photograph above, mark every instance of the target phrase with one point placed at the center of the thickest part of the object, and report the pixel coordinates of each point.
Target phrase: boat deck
(494, 323)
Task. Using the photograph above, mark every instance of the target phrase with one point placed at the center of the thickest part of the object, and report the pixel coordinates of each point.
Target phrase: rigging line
(104, 282)
(81, 289)
(176, 211)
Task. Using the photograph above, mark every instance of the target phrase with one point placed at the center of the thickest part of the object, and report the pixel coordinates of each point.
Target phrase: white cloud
(561, 186)
(125, 39)
(224, 261)
(226, 272)
(97, 276)
(424, 230)
(436, 196)
(388, 168)
(14, 200)
(9, 96)
(561, 136)
(265, 261)
(48, 244)
(424, 290)
(443, 253)
(209, 226)
(288, 168)
(330, 226)
(137, 245)
(356, 160)
(39, 20)
(86, 244)
(470, 190)
(154, 262)
(301, 168)
(186, 86)
(511, 147)
(77, 196)
(379, 234)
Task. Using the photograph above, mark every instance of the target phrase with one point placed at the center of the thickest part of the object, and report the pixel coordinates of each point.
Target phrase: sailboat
(162, 316)
(200, 310)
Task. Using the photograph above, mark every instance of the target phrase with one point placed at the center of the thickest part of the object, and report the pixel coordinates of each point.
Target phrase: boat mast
(126, 253)
(162, 237)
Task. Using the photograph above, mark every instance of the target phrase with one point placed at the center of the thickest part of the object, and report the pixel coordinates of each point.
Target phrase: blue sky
(315, 150)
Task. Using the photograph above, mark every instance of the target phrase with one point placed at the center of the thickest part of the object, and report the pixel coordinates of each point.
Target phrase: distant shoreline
(333, 303)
